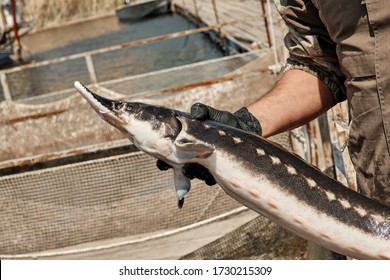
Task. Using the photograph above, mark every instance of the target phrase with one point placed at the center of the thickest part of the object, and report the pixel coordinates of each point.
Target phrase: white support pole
(91, 69)
(5, 85)
(273, 38)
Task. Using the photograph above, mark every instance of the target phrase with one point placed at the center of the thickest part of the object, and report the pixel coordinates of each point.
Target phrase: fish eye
(129, 107)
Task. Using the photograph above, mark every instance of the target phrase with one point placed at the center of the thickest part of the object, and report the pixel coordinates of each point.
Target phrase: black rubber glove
(242, 119)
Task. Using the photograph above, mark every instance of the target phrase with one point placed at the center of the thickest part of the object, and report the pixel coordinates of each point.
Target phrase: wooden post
(219, 30)
(3, 22)
(16, 32)
(217, 18)
(196, 12)
(265, 17)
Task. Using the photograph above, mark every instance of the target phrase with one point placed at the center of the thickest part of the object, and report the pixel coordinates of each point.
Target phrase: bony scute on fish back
(258, 174)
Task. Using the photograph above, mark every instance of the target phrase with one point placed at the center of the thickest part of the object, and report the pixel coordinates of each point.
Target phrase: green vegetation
(48, 13)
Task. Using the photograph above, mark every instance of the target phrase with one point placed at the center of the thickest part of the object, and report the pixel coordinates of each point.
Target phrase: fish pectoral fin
(192, 149)
(182, 185)
(189, 147)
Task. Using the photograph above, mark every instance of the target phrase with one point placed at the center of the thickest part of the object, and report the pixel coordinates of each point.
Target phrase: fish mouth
(113, 118)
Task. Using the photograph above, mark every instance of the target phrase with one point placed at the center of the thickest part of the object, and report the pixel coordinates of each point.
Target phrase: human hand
(242, 119)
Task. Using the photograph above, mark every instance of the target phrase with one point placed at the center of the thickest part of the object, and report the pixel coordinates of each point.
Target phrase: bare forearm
(296, 99)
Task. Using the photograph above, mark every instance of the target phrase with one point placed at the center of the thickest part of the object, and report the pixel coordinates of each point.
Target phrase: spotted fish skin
(258, 174)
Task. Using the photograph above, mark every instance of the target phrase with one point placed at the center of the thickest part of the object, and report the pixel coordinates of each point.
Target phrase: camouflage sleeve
(310, 46)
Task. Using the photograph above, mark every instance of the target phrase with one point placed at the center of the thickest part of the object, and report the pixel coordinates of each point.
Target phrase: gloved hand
(242, 119)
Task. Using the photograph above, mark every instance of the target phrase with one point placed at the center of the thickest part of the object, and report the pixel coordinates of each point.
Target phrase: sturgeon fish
(258, 174)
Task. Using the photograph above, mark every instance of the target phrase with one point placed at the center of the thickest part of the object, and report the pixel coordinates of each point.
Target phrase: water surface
(103, 33)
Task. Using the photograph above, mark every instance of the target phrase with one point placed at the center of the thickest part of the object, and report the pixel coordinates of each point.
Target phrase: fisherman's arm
(297, 98)
(313, 81)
